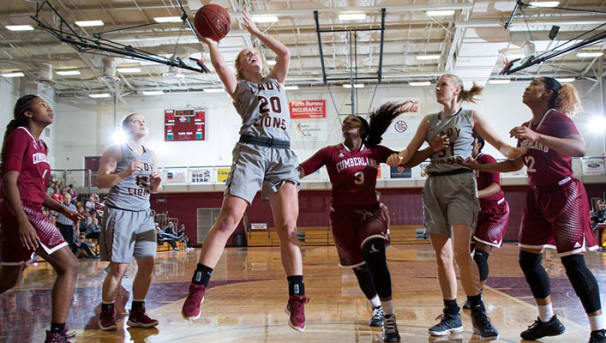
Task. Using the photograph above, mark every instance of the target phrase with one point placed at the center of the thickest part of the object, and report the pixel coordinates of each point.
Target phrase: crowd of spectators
(171, 235)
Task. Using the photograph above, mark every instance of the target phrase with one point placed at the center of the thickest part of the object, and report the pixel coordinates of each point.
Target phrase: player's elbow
(579, 151)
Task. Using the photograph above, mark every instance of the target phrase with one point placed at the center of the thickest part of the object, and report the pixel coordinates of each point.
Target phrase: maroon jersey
(353, 174)
(28, 156)
(545, 166)
(485, 179)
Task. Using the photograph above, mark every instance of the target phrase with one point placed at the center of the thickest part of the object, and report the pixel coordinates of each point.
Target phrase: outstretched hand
(439, 143)
(249, 25)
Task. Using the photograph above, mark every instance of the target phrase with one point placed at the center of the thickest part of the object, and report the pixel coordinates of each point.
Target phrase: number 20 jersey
(545, 166)
(353, 174)
(264, 109)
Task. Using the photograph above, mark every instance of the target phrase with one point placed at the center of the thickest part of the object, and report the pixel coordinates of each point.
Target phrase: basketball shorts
(558, 217)
(12, 250)
(352, 227)
(450, 200)
(257, 167)
(493, 221)
(126, 234)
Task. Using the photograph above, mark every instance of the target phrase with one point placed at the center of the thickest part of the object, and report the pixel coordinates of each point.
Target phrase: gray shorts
(257, 167)
(450, 200)
(127, 234)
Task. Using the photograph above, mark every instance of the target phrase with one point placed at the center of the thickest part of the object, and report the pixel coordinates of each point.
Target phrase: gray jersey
(264, 109)
(133, 192)
(459, 129)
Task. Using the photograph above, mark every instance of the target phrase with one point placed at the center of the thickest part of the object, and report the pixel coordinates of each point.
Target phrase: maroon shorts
(12, 250)
(352, 227)
(493, 221)
(558, 217)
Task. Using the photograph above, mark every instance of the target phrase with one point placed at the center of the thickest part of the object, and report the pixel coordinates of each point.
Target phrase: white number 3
(359, 178)
(530, 164)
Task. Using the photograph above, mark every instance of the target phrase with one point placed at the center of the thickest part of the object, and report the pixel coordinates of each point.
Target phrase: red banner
(306, 109)
(184, 125)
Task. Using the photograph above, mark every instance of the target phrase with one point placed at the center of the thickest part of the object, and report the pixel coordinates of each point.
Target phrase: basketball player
(450, 200)
(262, 159)
(557, 209)
(493, 218)
(25, 228)
(128, 229)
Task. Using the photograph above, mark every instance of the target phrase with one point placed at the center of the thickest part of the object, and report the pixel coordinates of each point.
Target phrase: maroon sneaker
(107, 321)
(138, 318)
(55, 337)
(296, 310)
(191, 306)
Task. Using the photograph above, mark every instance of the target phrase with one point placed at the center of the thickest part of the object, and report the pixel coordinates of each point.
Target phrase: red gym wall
(404, 207)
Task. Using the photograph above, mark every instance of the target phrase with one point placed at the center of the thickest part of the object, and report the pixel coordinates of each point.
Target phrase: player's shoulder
(21, 134)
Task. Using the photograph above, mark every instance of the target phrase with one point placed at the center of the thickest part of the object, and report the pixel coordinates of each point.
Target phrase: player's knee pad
(481, 258)
(365, 280)
(535, 274)
(582, 280)
(374, 255)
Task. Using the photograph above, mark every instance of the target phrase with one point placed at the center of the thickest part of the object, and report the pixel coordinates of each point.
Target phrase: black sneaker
(482, 325)
(540, 329)
(377, 316)
(467, 305)
(598, 336)
(448, 324)
(390, 329)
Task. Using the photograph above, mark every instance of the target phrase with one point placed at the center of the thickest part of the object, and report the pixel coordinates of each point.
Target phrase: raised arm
(484, 130)
(571, 145)
(280, 70)
(109, 161)
(405, 155)
(225, 74)
(313, 163)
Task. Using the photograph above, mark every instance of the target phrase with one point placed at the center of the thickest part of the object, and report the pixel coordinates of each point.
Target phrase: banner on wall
(593, 166)
(400, 173)
(200, 175)
(308, 130)
(174, 176)
(222, 174)
(184, 125)
(307, 109)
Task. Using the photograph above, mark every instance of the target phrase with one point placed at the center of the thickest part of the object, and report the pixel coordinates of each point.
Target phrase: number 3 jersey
(545, 166)
(264, 109)
(133, 192)
(353, 174)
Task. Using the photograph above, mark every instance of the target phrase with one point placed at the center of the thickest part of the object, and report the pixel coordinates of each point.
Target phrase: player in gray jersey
(262, 159)
(128, 230)
(450, 201)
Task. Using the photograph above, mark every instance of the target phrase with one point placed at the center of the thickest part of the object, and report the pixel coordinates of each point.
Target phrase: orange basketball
(212, 21)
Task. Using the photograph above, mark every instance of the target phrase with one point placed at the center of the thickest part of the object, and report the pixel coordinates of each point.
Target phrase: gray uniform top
(459, 129)
(133, 192)
(263, 108)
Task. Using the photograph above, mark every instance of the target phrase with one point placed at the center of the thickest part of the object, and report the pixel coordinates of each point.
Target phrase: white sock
(374, 302)
(107, 302)
(597, 322)
(545, 312)
(387, 307)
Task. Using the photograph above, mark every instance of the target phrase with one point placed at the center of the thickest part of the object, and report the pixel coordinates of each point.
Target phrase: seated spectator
(92, 231)
(183, 236)
(91, 203)
(168, 235)
(599, 214)
(83, 248)
(72, 191)
(57, 195)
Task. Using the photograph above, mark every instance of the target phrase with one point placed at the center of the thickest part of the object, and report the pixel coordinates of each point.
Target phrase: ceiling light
(68, 72)
(119, 137)
(129, 70)
(271, 62)
(264, 18)
(214, 90)
(352, 16)
(428, 57)
(357, 85)
(291, 88)
(419, 83)
(13, 74)
(152, 92)
(87, 23)
(589, 54)
(168, 19)
(499, 81)
(544, 3)
(100, 95)
(565, 79)
(19, 27)
(441, 13)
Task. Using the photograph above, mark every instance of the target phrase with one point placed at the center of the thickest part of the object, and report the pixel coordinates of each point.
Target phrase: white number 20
(359, 178)
(530, 164)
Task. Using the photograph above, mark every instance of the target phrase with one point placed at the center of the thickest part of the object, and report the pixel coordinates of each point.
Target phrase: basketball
(212, 21)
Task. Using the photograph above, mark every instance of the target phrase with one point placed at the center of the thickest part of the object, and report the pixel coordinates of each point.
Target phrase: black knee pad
(365, 281)
(535, 274)
(374, 255)
(584, 283)
(481, 258)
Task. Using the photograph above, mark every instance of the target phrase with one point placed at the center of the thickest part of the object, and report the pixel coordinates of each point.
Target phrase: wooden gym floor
(248, 292)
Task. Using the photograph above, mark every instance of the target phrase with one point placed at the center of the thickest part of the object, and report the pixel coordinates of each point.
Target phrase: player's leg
(10, 275)
(109, 292)
(367, 286)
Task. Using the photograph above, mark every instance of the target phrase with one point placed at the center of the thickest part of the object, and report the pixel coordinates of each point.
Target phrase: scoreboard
(184, 125)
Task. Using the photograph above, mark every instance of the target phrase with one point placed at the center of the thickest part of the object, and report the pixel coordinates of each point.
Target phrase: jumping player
(128, 228)
(493, 218)
(557, 208)
(25, 228)
(450, 201)
(262, 159)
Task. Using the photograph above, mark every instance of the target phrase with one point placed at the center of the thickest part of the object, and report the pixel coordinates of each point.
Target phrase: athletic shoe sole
(487, 338)
(446, 332)
(193, 318)
(293, 326)
(141, 325)
(106, 328)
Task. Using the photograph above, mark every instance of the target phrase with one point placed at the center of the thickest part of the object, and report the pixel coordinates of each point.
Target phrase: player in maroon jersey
(557, 209)
(25, 229)
(493, 217)
(359, 224)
